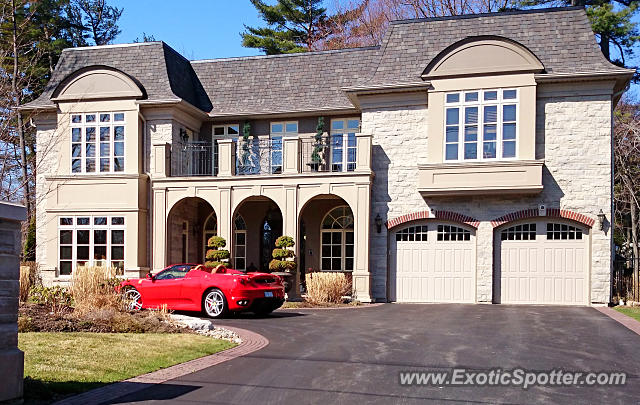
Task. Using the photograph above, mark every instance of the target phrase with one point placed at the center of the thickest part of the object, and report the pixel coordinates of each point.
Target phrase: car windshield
(174, 272)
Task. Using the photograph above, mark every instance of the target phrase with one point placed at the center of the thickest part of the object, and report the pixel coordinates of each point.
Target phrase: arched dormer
(97, 82)
(482, 56)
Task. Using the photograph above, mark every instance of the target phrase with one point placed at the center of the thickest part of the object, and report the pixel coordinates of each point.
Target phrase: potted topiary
(216, 255)
(317, 154)
(284, 261)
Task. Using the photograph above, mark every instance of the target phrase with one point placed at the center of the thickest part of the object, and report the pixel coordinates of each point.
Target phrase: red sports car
(191, 287)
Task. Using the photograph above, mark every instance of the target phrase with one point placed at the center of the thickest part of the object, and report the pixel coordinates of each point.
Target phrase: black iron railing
(196, 158)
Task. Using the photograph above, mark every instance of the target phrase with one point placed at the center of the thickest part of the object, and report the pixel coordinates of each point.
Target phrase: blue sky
(198, 29)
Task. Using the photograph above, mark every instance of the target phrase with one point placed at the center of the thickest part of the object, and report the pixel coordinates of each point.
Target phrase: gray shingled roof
(284, 83)
(561, 38)
(162, 72)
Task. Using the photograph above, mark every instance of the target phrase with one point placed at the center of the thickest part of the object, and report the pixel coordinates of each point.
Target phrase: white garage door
(433, 262)
(542, 262)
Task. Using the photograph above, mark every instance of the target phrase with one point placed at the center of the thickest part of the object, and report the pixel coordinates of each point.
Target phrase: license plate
(268, 294)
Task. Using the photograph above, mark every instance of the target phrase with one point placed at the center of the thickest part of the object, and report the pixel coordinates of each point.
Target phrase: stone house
(465, 159)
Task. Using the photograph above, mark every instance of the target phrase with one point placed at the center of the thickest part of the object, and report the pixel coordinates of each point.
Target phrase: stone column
(11, 358)
(361, 274)
(159, 229)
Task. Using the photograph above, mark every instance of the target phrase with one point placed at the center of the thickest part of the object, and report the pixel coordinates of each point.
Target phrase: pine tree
(292, 26)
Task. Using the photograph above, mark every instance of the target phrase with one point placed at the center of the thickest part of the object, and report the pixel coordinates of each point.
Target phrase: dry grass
(94, 288)
(327, 287)
(28, 279)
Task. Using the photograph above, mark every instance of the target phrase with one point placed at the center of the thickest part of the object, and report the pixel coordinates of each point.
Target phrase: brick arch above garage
(436, 214)
(551, 213)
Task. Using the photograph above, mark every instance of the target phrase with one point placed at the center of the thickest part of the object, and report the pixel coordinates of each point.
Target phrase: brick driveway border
(251, 342)
(627, 321)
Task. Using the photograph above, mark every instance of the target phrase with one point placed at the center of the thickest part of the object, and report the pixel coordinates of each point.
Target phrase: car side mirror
(150, 276)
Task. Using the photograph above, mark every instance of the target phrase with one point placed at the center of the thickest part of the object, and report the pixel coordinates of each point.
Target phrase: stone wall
(573, 136)
(11, 358)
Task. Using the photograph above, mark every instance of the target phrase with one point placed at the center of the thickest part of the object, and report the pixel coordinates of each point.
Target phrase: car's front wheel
(214, 303)
(132, 299)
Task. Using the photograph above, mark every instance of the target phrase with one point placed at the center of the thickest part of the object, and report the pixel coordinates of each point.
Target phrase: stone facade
(11, 358)
(569, 128)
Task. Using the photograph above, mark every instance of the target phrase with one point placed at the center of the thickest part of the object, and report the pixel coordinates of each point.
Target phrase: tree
(93, 19)
(145, 38)
(292, 26)
(364, 22)
(611, 20)
(627, 186)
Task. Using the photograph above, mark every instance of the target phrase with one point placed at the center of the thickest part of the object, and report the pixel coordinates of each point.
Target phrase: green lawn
(633, 312)
(58, 364)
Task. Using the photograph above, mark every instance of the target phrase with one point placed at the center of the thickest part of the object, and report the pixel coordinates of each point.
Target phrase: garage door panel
(432, 270)
(540, 271)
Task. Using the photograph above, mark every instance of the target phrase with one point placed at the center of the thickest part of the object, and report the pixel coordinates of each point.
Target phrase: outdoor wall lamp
(378, 220)
(601, 219)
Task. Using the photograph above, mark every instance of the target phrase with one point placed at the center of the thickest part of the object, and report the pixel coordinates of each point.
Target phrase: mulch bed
(39, 318)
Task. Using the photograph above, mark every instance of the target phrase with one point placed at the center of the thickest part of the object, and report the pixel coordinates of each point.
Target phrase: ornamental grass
(327, 287)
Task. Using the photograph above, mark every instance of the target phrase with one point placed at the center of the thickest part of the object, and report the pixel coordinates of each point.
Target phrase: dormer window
(481, 125)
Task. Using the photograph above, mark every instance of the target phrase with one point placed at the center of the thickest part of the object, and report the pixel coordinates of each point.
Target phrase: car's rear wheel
(214, 303)
(132, 299)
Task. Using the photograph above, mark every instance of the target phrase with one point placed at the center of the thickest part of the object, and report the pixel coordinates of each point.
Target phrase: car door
(165, 287)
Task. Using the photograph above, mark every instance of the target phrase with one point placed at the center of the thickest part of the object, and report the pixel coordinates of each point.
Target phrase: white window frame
(226, 135)
(280, 136)
(236, 232)
(343, 243)
(211, 233)
(345, 164)
(82, 126)
(91, 227)
(500, 102)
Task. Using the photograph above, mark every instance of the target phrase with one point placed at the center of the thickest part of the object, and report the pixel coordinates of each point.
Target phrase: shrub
(284, 259)
(28, 279)
(216, 255)
(94, 287)
(285, 242)
(55, 298)
(327, 287)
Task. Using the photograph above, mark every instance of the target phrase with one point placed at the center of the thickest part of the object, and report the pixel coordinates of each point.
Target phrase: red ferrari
(216, 292)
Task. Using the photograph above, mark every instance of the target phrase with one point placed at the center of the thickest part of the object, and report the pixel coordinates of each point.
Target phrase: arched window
(337, 239)
(239, 243)
(210, 229)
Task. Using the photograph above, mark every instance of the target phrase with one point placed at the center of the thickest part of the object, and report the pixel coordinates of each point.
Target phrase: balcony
(475, 178)
(263, 157)
(198, 158)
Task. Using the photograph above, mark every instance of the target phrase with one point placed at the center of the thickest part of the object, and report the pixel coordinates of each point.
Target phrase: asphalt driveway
(351, 356)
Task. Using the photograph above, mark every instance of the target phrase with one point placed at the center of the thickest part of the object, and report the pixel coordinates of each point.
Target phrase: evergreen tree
(93, 20)
(292, 26)
(612, 22)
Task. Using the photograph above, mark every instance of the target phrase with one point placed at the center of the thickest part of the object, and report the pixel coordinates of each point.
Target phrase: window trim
(344, 164)
(280, 137)
(97, 124)
(343, 241)
(461, 104)
(91, 227)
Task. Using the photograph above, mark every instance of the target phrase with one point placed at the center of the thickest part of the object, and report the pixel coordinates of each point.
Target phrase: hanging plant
(318, 144)
(216, 255)
(284, 258)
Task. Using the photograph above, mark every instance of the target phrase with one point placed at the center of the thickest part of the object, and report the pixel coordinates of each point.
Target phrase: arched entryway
(327, 236)
(190, 223)
(256, 226)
